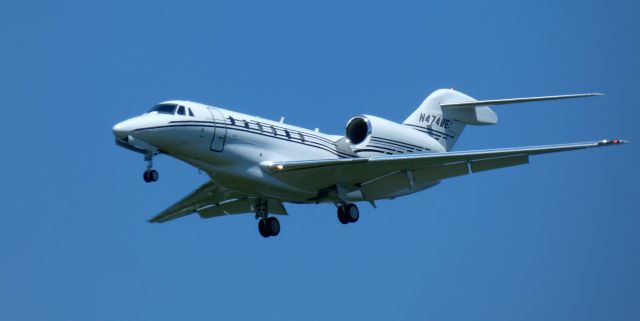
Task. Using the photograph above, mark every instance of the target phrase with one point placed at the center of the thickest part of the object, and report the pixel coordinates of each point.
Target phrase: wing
(211, 200)
(425, 167)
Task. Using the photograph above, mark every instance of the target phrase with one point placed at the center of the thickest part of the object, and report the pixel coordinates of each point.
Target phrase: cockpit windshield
(164, 109)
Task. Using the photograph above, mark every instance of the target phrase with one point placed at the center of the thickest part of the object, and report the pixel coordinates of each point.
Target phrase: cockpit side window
(181, 110)
(164, 109)
(190, 113)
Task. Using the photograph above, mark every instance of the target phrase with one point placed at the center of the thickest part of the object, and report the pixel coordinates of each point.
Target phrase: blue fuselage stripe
(306, 142)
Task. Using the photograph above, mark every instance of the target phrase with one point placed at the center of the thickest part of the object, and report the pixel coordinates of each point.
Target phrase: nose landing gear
(150, 175)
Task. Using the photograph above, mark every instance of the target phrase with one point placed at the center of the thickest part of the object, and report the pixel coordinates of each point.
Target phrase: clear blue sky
(555, 240)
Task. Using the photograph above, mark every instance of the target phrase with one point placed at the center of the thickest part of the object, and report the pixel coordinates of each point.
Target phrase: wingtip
(614, 141)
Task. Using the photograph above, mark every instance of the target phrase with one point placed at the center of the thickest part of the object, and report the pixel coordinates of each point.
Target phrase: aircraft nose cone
(120, 130)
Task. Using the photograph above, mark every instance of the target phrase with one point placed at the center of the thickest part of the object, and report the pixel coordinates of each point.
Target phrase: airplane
(256, 165)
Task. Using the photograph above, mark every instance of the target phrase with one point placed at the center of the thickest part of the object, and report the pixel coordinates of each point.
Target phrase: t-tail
(445, 112)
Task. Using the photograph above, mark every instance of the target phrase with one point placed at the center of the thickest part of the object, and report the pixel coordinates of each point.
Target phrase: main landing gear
(348, 213)
(270, 226)
(267, 226)
(150, 175)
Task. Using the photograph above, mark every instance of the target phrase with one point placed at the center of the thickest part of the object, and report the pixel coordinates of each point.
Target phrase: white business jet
(257, 165)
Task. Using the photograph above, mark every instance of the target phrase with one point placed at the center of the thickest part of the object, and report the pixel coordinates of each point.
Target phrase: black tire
(145, 176)
(153, 175)
(273, 226)
(352, 213)
(262, 228)
(342, 217)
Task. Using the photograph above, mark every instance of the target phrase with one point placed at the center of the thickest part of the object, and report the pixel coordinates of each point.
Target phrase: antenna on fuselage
(282, 120)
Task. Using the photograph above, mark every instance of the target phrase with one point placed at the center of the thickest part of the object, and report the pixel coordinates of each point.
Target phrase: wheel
(352, 212)
(153, 175)
(342, 217)
(145, 176)
(262, 228)
(273, 226)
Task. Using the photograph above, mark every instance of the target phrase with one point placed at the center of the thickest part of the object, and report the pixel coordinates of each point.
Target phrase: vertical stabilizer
(446, 124)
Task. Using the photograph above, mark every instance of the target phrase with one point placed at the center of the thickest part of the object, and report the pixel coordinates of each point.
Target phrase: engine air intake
(357, 130)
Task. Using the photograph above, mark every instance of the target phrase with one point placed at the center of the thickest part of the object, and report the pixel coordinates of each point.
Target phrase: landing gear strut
(150, 175)
(267, 226)
(348, 213)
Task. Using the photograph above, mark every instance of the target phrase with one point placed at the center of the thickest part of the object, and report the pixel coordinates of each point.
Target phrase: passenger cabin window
(286, 132)
(301, 137)
(232, 121)
(273, 130)
(246, 124)
(181, 110)
(190, 113)
(164, 109)
(260, 127)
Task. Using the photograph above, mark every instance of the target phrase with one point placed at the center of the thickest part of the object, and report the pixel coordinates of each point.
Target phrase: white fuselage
(231, 147)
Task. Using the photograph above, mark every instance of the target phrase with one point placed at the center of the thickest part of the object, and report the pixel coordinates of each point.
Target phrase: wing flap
(240, 206)
(382, 187)
(226, 208)
(500, 162)
(205, 196)
(436, 173)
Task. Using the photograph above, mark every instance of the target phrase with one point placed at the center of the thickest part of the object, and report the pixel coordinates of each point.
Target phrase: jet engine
(370, 136)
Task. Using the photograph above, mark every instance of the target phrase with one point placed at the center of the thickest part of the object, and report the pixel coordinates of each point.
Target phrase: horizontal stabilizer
(468, 104)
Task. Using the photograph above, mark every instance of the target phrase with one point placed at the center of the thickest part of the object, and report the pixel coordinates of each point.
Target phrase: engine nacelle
(370, 136)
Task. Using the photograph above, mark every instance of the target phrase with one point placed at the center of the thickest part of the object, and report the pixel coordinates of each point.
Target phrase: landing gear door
(219, 131)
